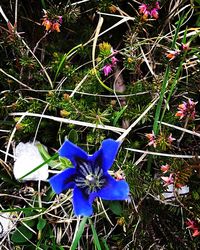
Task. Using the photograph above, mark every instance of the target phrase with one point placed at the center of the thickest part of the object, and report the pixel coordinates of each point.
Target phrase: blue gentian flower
(89, 177)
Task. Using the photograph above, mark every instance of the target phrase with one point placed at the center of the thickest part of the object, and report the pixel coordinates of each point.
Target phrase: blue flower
(89, 177)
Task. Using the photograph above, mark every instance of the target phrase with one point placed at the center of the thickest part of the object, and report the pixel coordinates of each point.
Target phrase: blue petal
(105, 156)
(114, 190)
(72, 152)
(81, 204)
(63, 181)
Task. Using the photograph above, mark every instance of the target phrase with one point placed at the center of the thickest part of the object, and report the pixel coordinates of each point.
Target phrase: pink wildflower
(47, 24)
(185, 46)
(168, 180)
(119, 175)
(51, 24)
(154, 13)
(142, 8)
(165, 168)
(196, 233)
(170, 139)
(157, 5)
(56, 26)
(149, 10)
(107, 69)
(187, 109)
(114, 60)
(60, 19)
(193, 226)
(152, 139)
(172, 54)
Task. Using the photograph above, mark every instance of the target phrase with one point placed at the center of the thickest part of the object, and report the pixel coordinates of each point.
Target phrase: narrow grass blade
(78, 234)
(95, 236)
(64, 58)
(43, 4)
(162, 93)
(41, 165)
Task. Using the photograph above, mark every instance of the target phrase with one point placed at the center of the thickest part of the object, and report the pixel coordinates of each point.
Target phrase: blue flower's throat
(90, 178)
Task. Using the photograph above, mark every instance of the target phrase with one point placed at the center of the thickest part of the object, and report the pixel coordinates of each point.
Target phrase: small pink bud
(107, 69)
(165, 168)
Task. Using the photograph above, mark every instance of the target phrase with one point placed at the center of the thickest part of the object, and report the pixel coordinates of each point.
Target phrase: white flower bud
(27, 158)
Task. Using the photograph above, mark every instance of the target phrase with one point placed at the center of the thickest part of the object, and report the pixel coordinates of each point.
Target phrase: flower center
(89, 178)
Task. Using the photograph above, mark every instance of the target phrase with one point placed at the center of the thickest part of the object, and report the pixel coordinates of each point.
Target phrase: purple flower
(114, 60)
(60, 19)
(107, 69)
(143, 8)
(149, 10)
(154, 13)
(187, 109)
(89, 177)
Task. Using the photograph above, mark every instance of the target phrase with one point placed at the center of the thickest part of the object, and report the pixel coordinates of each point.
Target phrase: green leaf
(198, 21)
(95, 236)
(105, 244)
(43, 4)
(73, 136)
(41, 223)
(21, 235)
(65, 163)
(119, 114)
(115, 207)
(195, 195)
(79, 233)
(30, 223)
(64, 58)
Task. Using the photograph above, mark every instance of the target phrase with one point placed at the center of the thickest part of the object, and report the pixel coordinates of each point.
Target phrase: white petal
(6, 224)
(28, 157)
(169, 192)
(183, 190)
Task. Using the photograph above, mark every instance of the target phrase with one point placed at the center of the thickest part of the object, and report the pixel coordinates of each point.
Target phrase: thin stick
(127, 131)
(15, 79)
(79, 85)
(161, 154)
(64, 120)
(181, 129)
(12, 135)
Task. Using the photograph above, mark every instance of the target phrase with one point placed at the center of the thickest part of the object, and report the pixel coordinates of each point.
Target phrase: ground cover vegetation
(99, 124)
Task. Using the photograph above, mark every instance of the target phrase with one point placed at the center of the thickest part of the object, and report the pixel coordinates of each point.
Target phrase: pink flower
(191, 224)
(154, 13)
(60, 19)
(170, 139)
(142, 8)
(47, 24)
(114, 60)
(185, 46)
(168, 180)
(56, 26)
(149, 10)
(187, 109)
(196, 233)
(119, 175)
(165, 168)
(157, 6)
(152, 139)
(107, 69)
(172, 54)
